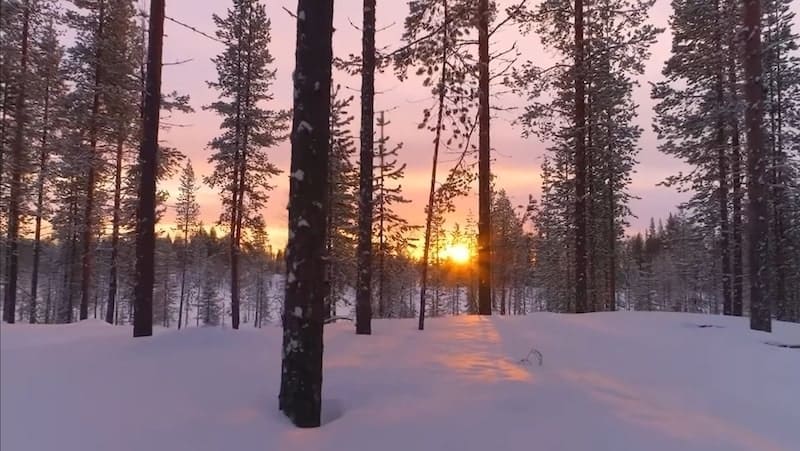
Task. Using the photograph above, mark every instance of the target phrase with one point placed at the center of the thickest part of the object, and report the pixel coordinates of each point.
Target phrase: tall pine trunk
(148, 161)
(777, 180)
(580, 165)
(432, 193)
(760, 307)
(88, 212)
(115, 223)
(736, 192)
(722, 173)
(364, 260)
(184, 258)
(301, 370)
(17, 167)
(381, 231)
(484, 168)
(37, 233)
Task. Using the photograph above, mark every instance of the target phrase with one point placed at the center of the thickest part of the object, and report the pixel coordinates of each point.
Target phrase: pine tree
(148, 174)
(692, 115)
(48, 62)
(342, 221)
(18, 163)
(392, 231)
(589, 119)
(760, 304)
(433, 32)
(124, 93)
(365, 207)
(301, 369)
(782, 127)
(187, 211)
(242, 170)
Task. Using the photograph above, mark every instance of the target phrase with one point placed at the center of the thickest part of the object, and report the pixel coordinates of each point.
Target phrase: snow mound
(609, 381)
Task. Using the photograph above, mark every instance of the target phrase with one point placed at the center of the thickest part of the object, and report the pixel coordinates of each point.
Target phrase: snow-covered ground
(609, 381)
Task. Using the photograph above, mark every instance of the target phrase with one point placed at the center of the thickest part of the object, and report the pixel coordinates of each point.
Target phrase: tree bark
(301, 372)
(184, 258)
(86, 252)
(148, 160)
(37, 234)
(484, 166)
(381, 231)
(722, 174)
(112, 272)
(760, 307)
(736, 192)
(364, 277)
(15, 191)
(580, 165)
(432, 193)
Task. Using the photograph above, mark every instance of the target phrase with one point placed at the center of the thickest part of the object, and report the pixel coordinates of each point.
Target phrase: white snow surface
(609, 381)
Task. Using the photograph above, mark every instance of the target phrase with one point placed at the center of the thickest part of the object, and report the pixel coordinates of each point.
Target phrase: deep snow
(609, 381)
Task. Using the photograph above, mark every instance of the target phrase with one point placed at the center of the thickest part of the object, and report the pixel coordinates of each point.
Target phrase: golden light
(458, 253)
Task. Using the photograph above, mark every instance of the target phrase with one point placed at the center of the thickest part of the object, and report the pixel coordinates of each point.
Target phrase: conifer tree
(342, 222)
(48, 63)
(392, 230)
(300, 394)
(187, 211)
(18, 164)
(433, 32)
(242, 169)
(367, 154)
(589, 119)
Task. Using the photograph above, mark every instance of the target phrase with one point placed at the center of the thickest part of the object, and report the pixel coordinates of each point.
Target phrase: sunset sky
(516, 160)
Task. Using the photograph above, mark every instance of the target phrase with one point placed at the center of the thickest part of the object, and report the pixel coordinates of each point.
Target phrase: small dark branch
(289, 12)
(781, 345)
(511, 13)
(532, 353)
(352, 24)
(384, 28)
(175, 63)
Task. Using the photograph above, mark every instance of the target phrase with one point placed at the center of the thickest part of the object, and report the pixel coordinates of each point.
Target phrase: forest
(102, 219)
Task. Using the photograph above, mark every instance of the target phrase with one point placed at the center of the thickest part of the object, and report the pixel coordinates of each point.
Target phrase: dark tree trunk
(238, 177)
(37, 233)
(69, 269)
(112, 272)
(184, 258)
(364, 277)
(148, 160)
(484, 169)
(760, 307)
(432, 194)
(736, 192)
(580, 165)
(301, 373)
(17, 167)
(778, 182)
(611, 205)
(381, 232)
(238, 217)
(330, 301)
(86, 253)
(720, 147)
(3, 114)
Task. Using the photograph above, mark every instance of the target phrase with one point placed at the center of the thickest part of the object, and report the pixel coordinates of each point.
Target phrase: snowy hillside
(608, 381)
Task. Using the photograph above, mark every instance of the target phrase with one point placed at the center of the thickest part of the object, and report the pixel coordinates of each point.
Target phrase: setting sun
(458, 253)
